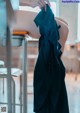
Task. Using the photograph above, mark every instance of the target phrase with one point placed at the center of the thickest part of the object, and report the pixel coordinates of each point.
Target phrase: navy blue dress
(50, 94)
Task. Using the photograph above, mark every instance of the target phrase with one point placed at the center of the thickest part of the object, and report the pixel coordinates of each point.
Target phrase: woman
(63, 31)
(49, 86)
(50, 94)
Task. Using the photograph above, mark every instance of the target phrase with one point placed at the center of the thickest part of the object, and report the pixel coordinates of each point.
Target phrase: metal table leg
(8, 50)
(24, 77)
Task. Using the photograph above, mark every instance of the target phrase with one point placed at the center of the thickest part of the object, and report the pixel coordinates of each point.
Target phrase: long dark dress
(50, 94)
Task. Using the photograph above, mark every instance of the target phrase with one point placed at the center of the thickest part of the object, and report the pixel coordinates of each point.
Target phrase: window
(78, 36)
(15, 4)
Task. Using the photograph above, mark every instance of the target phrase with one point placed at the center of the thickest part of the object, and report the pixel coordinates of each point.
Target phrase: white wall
(2, 20)
(69, 12)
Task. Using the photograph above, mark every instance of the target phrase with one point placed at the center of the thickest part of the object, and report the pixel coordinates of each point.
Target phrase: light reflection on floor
(73, 90)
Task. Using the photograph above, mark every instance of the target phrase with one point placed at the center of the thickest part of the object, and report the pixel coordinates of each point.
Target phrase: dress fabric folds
(50, 94)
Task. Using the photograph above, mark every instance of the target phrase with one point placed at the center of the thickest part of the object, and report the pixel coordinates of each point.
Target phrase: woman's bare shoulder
(64, 30)
(60, 19)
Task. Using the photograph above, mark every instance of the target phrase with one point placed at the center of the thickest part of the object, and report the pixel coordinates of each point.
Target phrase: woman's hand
(40, 3)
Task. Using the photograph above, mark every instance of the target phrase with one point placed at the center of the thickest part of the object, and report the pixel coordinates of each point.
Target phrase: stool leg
(20, 94)
(13, 93)
(3, 86)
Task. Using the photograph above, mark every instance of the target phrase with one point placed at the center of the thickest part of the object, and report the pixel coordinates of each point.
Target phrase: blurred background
(71, 55)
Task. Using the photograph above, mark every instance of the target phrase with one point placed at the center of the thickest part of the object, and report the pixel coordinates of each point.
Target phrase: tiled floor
(73, 89)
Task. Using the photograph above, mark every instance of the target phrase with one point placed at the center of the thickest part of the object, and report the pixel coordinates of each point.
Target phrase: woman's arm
(34, 3)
